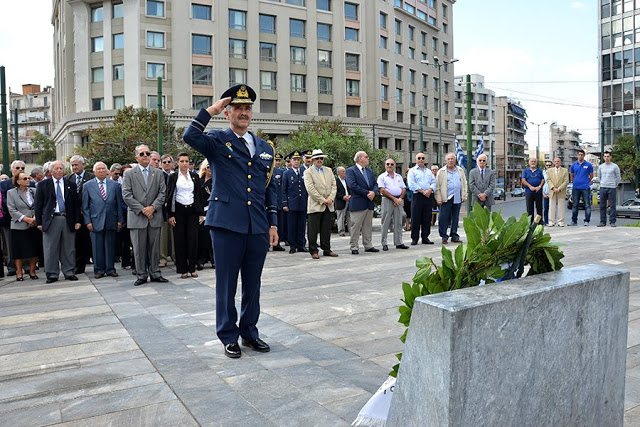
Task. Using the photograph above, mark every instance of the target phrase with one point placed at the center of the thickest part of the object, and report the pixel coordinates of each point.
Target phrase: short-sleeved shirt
(581, 172)
(393, 185)
(533, 177)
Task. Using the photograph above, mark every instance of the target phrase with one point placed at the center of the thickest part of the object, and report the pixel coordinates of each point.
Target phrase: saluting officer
(242, 212)
(278, 171)
(294, 202)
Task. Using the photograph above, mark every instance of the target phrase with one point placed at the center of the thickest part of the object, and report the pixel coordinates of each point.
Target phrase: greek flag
(480, 148)
(459, 153)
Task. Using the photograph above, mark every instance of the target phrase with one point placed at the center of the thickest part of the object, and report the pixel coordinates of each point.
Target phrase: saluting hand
(218, 106)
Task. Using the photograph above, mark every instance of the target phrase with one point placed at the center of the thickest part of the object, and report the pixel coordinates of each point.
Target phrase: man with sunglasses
(482, 180)
(17, 167)
(423, 184)
(143, 191)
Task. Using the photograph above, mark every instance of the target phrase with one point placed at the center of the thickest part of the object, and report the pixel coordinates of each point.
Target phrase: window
(397, 3)
(353, 87)
(431, 20)
(118, 102)
(237, 48)
(445, 10)
(324, 32)
(298, 83)
(152, 101)
(200, 102)
(118, 72)
(298, 55)
(383, 20)
(412, 77)
(201, 11)
(268, 80)
(424, 81)
(155, 39)
(409, 8)
(97, 44)
(118, 41)
(383, 143)
(298, 107)
(202, 75)
(399, 72)
(412, 53)
(352, 62)
(155, 70)
(398, 48)
(237, 76)
(398, 27)
(96, 14)
(384, 68)
(398, 144)
(384, 92)
(237, 19)
(434, 44)
(97, 104)
(323, 4)
(398, 96)
(421, 15)
(353, 111)
(200, 44)
(445, 48)
(385, 114)
(445, 28)
(423, 38)
(324, 58)
(351, 34)
(446, 86)
(325, 85)
(267, 52)
(446, 107)
(97, 75)
(325, 109)
(267, 24)
(435, 83)
(410, 32)
(269, 106)
(351, 11)
(295, 2)
(383, 42)
(296, 28)
(155, 8)
(118, 10)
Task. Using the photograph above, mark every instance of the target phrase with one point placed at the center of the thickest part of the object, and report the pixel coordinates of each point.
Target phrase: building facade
(564, 143)
(34, 114)
(363, 62)
(511, 128)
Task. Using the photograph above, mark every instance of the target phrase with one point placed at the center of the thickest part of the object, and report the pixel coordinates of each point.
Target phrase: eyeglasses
(483, 161)
(420, 158)
(166, 162)
(25, 179)
(548, 164)
(21, 168)
(208, 167)
(390, 164)
(144, 153)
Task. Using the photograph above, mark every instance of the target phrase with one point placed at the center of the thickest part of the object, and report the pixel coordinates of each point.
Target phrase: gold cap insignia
(242, 92)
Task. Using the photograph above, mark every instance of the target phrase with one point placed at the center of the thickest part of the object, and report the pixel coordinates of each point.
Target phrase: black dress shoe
(427, 242)
(354, 252)
(330, 253)
(372, 250)
(257, 345)
(385, 247)
(99, 275)
(72, 278)
(278, 248)
(159, 279)
(232, 350)
(133, 271)
(20, 279)
(292, 251)
(403, 246)
(414, 242)
(52, 279)
(304, 249)
(140, 282)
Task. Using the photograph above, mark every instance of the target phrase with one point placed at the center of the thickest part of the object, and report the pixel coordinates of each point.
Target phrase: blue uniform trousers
(245, 254)
(282, 227)
(297, 226)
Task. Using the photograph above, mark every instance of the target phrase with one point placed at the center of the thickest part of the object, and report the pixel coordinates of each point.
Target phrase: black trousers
(420, 217)
(531, 199)
(205, 249)
(282, 226)
(185, 236)
(320, 222)
(123, 244)
(83, 248)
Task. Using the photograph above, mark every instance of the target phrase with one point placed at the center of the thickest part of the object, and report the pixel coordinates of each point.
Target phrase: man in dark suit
(58, 216)
(143, 191)
(482, 181)
(103, 215)
(83, 238)
(364, 188)
(342, 200)
(242, 213)
(294, 203)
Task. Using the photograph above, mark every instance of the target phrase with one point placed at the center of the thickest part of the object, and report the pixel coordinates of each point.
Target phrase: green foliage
(623, 153)
(115, 142)
(47, 147)
(335, 141)
(493, 245)
(637, 224)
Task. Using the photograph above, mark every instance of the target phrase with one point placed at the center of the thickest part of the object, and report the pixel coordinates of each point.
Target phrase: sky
(542, 53)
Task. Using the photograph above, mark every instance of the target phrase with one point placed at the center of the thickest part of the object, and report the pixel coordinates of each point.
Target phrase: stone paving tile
(632, 417)
(19, 319)
(39, 415)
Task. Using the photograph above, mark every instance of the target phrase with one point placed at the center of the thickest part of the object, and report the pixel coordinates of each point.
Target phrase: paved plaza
(103, 352)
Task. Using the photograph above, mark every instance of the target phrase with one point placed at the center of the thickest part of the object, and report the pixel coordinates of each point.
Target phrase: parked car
(499, 194)
(517, 192)
(569, 188)
(629, 209)
(581, 205)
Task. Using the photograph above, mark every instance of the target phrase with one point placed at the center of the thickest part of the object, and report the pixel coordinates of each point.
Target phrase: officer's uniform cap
(240, 94)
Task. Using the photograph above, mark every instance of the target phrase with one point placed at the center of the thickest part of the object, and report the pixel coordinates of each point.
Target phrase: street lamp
(439, 64)
(538, 146)
(170, 117)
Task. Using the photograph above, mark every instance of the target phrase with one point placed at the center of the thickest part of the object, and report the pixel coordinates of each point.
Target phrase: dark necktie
(78, 182)
(364, 174)
(482, 173)
(59, 197)
(102, 192)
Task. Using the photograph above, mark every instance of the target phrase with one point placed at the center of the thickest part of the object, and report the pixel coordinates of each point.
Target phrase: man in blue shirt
(422, 184)
(533, 181)
(581, 173)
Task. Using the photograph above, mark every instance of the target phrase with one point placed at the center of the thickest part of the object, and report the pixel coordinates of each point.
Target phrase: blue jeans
(607, 194)
(576, 195)
(449, 215)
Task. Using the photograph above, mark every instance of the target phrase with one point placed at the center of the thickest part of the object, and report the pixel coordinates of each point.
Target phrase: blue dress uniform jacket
(277, 180)
(240, 203)
(294, 193)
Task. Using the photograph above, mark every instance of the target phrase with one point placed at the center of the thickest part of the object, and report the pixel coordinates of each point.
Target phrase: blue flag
(459, 153)
(480, 148)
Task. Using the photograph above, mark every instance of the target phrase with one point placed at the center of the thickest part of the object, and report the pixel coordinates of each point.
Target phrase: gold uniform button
(249, 176)
(215, 198)
(229, 155)
(249, 164)
(249, 190)
(249, 203)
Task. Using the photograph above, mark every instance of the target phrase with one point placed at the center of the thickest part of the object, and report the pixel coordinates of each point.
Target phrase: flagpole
(469, 141)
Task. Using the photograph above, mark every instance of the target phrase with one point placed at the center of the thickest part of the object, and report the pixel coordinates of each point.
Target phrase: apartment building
(511, 128)
(33, 106)
(564, 143)
(368, 63)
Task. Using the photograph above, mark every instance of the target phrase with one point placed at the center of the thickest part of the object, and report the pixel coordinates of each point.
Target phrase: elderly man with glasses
(423, 184)
(482, 181)
(393, 191)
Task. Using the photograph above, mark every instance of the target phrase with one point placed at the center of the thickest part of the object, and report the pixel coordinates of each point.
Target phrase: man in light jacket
(451, 193)
(321, 187)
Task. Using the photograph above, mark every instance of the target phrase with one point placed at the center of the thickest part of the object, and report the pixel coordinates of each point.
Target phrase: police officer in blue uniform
(294, 202)
(278, 171)
(242, 213)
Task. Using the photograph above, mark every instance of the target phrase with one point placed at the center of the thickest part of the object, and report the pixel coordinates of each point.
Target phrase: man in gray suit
(482, 181)
(143, 191)
(103, 216)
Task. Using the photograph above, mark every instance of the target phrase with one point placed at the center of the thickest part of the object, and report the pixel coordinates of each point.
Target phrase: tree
(624, 155)
(46, 146)
(115, 142)
(335, 141)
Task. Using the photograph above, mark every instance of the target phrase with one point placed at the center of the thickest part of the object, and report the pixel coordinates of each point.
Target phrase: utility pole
(469, 141)
(160, 127)
(5, 134)
(15, 129)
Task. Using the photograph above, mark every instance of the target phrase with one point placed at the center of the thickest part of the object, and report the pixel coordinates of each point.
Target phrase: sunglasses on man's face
(144, 153)
(483, 161)
(20, 168)
(390, 164)
(166, 162)
(420, 158)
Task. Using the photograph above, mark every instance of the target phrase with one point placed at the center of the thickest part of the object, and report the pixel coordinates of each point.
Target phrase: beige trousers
(556, 205)
(361, 221)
